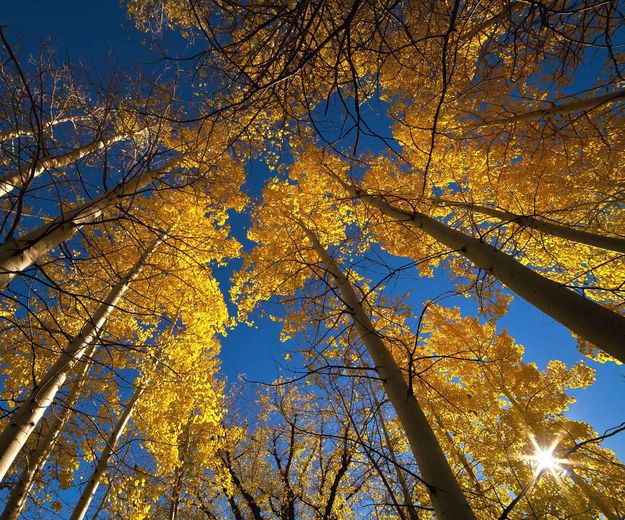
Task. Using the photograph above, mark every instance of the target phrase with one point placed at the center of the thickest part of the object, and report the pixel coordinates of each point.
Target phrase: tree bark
(92, 486)
(14, 133)
(37, 460)
(447, 498)
(27, 415)
(573, 234)
(564, 108)
(589, 320)
(249, 500)
(20, 178)
(19, 253)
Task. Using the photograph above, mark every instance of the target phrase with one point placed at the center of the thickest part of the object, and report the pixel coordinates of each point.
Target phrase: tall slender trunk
(563, 108)
(92, 486)
(111, 443)
(526, 488)
(446, 495)
(589, 320)
(27, 416)
(38, 458)
(21, 131)
(20, 178)
(573, 234)
(19, 253)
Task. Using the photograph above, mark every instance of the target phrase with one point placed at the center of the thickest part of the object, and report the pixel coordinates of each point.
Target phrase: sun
(544, 457)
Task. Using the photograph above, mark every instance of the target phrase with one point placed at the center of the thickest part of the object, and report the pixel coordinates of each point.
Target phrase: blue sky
(98, 35)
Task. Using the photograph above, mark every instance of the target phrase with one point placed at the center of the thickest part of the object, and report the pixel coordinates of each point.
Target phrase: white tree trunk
(15, 133)
(543, 226)
(20, 178)
(447, 497)
(19, 253)
(563, 108)
(26, 417)
(111, 442)
(589, 320)
(39, 457)
(408, 504)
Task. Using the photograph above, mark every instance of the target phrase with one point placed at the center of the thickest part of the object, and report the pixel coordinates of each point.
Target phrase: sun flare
(544, 458)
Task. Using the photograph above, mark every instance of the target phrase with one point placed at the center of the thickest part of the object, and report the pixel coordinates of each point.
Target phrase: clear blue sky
(97, 34)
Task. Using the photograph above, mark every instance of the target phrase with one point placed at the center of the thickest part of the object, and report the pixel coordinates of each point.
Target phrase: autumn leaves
(491, 175)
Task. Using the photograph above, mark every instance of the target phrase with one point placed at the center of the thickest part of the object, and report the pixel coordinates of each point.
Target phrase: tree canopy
(385, 181)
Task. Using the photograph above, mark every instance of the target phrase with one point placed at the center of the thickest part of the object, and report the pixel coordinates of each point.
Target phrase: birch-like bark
(28, 414)
(573, 234)
(19, 253)
(109, 448)
(39, 457)
(20, 178)
(447, 498)
(586, 103)
(20, 131)
(111, 443)
(589, 320)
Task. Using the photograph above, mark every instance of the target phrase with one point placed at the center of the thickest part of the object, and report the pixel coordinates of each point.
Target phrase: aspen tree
(445, 493)
(17, 254)
(602, 327)
(45, 445)
(90, 489)
(290, 204)
(27, 415)
(21, 178)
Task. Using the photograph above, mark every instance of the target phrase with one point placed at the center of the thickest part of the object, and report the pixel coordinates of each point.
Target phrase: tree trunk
(249, 500)
(19, 253)
(589, 320)
(20, 178)
(564, 108)
(14, 133)
(447, 498)
(27, 416)
(92, 486)
(38, 458)
(573, 234)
